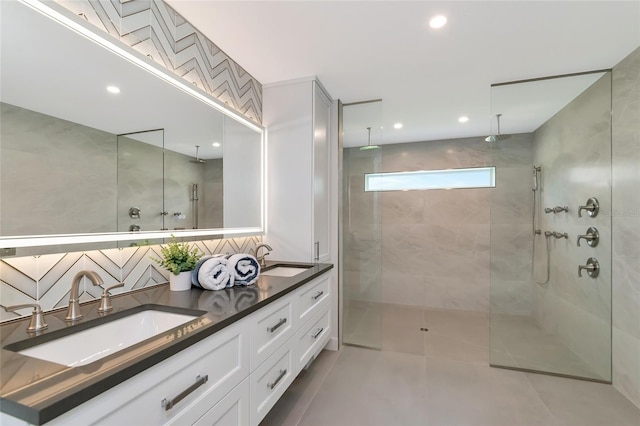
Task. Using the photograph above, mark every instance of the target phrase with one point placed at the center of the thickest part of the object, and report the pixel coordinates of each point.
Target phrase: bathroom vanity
(228, 365)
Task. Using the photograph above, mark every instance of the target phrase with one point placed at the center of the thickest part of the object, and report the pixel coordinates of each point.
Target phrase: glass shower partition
(550, 310)
(362, 232)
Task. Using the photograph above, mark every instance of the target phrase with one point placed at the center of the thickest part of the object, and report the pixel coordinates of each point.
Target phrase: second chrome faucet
(73, 312)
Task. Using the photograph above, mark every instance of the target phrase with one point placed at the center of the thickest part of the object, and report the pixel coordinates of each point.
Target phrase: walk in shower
(550, 244)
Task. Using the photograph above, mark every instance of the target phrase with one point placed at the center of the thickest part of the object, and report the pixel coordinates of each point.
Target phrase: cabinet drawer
(311, 296)
(312, 337)
(270, 381)
(233, 410)
(272, 326)
(222, 358)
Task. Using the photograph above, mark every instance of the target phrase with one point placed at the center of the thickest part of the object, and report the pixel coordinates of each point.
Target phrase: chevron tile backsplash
(154, 29)
(46, 279)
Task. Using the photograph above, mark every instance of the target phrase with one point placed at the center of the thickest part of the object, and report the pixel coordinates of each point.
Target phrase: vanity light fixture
(438, 21)
(398, 126)
(113, 89)
(463, 119)
(216, 144)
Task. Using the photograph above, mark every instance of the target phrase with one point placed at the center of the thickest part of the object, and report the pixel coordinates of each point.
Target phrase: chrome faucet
(73, 312)
(261, 259)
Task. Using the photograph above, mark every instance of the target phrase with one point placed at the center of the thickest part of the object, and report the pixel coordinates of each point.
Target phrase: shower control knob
(592, 207)
(592, 236)
(134, 213)
(592, 267)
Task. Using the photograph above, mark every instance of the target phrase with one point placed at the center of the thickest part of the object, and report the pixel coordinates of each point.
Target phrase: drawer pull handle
(277, 326)
(169, 404)
(273, 384)
(315, 297)
(319, 332)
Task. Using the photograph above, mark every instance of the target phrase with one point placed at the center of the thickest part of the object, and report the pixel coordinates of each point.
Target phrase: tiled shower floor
(519, 342)
(438, 377)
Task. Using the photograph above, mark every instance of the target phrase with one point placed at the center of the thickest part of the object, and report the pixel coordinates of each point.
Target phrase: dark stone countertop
(38, 391)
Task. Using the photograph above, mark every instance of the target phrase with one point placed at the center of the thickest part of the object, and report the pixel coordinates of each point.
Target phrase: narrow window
(477, 177)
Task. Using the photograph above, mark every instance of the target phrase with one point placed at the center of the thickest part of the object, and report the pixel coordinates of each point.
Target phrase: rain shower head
(369, 146)
(197, 160)
(498, 137)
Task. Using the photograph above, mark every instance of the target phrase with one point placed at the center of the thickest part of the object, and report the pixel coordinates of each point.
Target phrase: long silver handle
(592, 236)
(168, 404)
(275, 382)
(277, 326)
(319, 332)
(317, 247)
(318, 294)
(105, 300)
(592, 207)
(36, 307)
(592, 267)
(37, 322)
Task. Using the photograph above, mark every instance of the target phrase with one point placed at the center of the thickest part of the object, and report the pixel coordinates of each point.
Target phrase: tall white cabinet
(299, 116)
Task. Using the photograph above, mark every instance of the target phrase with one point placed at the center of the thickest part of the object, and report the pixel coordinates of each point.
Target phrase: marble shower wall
(431, 248)
(46, 279)
(626, 226)
(574, 150)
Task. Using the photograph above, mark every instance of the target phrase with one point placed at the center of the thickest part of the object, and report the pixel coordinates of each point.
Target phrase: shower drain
(424, 329)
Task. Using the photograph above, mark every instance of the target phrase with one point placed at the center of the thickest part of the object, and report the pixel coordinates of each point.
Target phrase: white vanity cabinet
(299, 117)
(142, 400)
(233, 377)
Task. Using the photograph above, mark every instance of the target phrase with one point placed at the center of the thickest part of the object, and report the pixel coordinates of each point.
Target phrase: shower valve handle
(592, 236)
(592, 207)
(592, 267)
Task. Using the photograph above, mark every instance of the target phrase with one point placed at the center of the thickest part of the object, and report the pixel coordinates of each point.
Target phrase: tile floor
(439, 377)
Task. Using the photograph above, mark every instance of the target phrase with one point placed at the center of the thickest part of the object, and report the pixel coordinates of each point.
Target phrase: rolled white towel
(245, 268)
(215, 274)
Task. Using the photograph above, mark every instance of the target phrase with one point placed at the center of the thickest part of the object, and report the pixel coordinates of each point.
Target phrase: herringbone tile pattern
(46, 279)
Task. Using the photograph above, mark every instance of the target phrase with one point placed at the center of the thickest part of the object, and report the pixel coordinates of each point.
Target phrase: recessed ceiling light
(438, 21)
(397, 126)
(216, 144)
(113, 89)
(463, 119)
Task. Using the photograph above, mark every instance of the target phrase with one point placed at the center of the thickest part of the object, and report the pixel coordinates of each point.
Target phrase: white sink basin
(86, 346)
(284, 271)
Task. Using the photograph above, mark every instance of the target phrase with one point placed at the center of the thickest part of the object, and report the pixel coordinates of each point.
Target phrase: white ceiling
(427, 78)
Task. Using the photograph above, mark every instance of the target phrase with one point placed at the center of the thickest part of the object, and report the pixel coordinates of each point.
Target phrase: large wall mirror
(93, 144)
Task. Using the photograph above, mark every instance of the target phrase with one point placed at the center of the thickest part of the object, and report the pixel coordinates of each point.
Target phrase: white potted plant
(179, 260)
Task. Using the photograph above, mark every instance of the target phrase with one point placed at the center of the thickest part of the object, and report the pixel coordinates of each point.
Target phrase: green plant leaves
(178, 257)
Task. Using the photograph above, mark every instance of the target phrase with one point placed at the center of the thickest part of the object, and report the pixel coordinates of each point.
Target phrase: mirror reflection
(92, 143)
